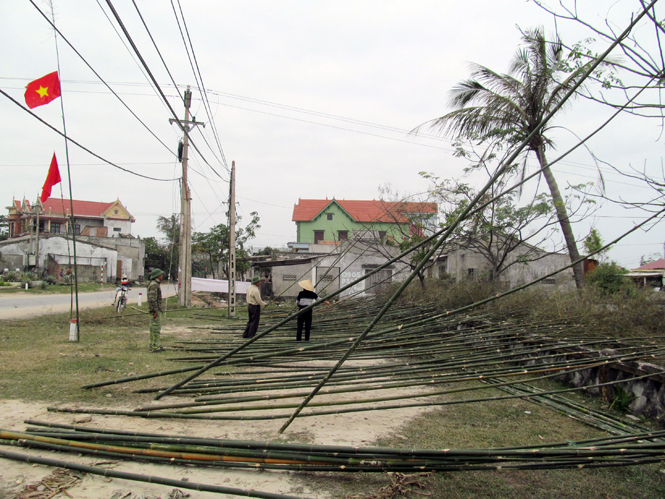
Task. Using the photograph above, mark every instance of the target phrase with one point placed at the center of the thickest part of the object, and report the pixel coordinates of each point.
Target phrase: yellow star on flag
(42, 91)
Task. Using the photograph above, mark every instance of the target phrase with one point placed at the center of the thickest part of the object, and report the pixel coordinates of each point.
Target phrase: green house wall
(341, 221)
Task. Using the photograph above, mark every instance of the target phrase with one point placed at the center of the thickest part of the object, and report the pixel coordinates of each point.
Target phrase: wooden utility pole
(232, 242)
(185, 262)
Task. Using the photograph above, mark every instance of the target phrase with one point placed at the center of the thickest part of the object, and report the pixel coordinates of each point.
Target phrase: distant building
(326, 221)
(651, 274)
(105, 246)
(90, 218)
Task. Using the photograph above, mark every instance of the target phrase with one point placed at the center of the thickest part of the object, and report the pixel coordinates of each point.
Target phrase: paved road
(21, 306)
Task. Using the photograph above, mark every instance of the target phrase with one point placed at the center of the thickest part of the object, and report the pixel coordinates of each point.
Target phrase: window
(77, 229)
(342, 235)
(382, 235)
(550, 281)
(329, 216)
(55, 228)
(318, 236)
(115, 212)
(443, 267)
(471, 273)
(117, 229)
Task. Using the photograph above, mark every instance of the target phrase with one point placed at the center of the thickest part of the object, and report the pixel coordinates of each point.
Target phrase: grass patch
(85, 287)
(39, 363)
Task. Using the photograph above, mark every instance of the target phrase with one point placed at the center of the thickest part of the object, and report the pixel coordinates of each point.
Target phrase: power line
(199, 80)
(157, 49)
(152, 77)
(81, 146)
(98, 76)
(204, 93)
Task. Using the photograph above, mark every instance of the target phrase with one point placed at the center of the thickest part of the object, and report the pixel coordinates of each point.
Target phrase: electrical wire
(154, 80)
(199, 79)
(81, 146)
(99, 76)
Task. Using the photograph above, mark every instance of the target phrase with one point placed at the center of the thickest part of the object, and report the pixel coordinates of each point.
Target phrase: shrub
(48, 278)
(12, 276)
(609, 278)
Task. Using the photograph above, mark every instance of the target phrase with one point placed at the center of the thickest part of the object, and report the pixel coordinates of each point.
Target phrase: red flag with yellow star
(43, 90)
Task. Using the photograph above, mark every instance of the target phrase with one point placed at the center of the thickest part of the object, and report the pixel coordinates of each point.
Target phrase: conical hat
(307, 284)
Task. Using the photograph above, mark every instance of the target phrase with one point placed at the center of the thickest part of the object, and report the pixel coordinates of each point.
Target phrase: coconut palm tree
(508, 107)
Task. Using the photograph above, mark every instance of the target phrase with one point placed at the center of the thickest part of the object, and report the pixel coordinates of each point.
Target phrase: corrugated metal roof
(362, 211)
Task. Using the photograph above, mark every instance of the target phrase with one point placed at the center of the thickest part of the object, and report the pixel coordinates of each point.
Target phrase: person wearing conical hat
(254, 303)
(305, 298)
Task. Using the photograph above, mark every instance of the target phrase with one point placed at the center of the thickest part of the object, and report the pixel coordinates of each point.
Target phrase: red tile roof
(81, 208)
(657, 265)
(362, 211)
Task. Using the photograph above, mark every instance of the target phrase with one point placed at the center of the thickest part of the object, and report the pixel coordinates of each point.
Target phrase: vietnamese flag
(43, 90)
(52, 178)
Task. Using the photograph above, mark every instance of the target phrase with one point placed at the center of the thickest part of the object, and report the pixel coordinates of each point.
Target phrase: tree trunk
(421, 278)
(562, 215)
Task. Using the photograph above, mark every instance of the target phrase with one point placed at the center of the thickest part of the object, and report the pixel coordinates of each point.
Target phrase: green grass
(85, 287)
(38, 362)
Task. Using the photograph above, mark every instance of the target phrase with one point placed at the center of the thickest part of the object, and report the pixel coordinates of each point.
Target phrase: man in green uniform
(155, 308)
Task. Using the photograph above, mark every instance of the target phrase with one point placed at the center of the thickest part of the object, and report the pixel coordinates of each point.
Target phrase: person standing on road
(155, 307)
(305, 298)
(254, 303)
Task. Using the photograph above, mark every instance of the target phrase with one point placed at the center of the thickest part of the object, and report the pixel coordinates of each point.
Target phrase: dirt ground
(358, 429)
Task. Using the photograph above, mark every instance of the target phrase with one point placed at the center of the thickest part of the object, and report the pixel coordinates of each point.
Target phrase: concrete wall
(334, 270)
(458, 262)
(131, 252)
(89, 257)
(125, 227)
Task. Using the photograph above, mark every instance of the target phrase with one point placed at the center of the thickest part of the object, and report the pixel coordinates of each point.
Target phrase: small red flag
(43, 90)
(52, 178)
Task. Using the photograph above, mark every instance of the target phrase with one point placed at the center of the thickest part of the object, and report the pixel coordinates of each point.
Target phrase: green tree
(504, 233)
(506, 108)
(4, 228)
(170, 227)
(593, 243)
(609, 278)
(156, 255)
(216, 242)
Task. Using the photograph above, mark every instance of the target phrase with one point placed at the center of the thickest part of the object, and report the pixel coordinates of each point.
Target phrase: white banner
(218, 285)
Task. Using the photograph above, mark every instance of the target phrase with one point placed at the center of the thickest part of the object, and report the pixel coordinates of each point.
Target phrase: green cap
(156, 273)
(256, 279)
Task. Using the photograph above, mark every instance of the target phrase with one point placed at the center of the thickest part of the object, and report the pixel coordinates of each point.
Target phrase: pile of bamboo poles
(635, 449)
(416, 357)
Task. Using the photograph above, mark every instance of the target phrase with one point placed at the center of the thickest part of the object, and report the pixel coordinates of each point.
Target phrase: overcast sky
(311, 99)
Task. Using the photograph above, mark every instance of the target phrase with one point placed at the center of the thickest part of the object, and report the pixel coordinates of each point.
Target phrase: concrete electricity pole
(232, 242)
(185, 264)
